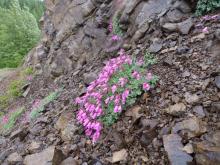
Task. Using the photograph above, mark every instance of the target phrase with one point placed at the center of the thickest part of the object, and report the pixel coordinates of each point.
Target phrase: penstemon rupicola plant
(118, 85)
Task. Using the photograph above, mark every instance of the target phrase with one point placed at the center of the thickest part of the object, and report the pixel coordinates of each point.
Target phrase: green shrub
(205, 6)
(36, 7)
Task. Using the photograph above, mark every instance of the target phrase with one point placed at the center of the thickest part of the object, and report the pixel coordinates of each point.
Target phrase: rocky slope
(177, 123)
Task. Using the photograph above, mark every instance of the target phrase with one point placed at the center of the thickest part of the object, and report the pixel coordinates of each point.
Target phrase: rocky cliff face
(176, 123)
(75, 32)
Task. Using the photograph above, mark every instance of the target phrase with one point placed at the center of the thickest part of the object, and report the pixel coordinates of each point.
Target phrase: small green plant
(205, 6)
(4, 100)
(10, 119)
(27, 71)
(15, 88)
(116, 26)
(39, 105)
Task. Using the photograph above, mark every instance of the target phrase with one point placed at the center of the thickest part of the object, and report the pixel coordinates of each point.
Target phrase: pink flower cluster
(110, 27)
(101, 93)
(91, 103)
(5, 119)
(115, 38)
(205, 19)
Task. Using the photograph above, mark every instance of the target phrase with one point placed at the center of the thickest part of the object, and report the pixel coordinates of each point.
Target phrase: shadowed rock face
(75, 32)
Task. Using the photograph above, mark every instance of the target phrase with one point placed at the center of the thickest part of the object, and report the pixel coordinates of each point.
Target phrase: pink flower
(77, 100)
(205, 30)
(36, 103)
(199, 25)
(122, 81)
(146, 86)
(115, 38)
(30, 78)
(117, 109)
(214, 16)
(136, 75)
(5, 119)
(88, 132)
(95, 137)
(121, 52)
(140, 62)
(111, 98)
(107, 100)
(206, 18)
(114, 88)
(117, 99)
(125, 94)
(149, 76)
(110, 27)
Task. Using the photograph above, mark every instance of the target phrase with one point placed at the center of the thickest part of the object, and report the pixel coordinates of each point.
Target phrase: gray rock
(150, 10)
(182, 49)
(217, 81)
(68, 132)
(156, 46)
(192, 98)
(89, 77)
(119, 156)
(188, 148)
(193, 127)
(34, 146)
(19, 133)
(185, 26)
(69, 161)
(208, 150)
(182, 6)
(215, 107)
(174, 15)
(173, 147)
(50, 155)
(186, 74)
(3, 142)
(14, 158)
(182, 27)
(176, 110)
(199, 111)
(63, 121)
(141, 31)
(5, 153)
(170, 27)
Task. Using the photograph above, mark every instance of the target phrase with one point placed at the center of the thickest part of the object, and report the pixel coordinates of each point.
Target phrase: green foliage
(19, 32)
(37, 109)
(15, 88)
(27, 71)
(36, 7)
(205, 6)
(4, 100)
(13, 116)
(116, 26)
(133, 85)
